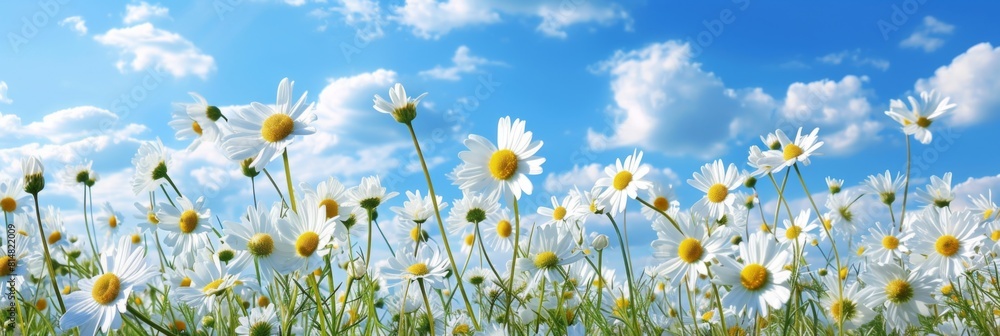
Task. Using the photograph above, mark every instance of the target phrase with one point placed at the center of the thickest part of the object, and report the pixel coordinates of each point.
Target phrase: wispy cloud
(462, 63)
(854, 57)
(929, 36)
(76, 23)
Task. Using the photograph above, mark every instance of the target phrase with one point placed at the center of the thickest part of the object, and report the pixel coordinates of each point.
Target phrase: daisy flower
(263, 132)
(834, 185)
(209, 279)
(591, 200)
(498, 231)
(12, 196)
(369, 194)
(798, 231)
(764, 162)
(102, 299)
(949, 240)
(918, 120)
(849, 307)
(258, 234)
(146, 216)
(459, 325)
(841, 216)
(15, 261)
(80, 173)
(331, 194)
(196, 120)
(717, 182)
(939, 192)
(311, 231)
(469, 211)
(885, 245)
(187, 226)
(427, 265)
(799, 150)
(417, 208)
(401, 107)
(993, 231)
(885, 186)
(112, 218)
(904, 294)
(410, 234)
(664, 198)
(34, 174)
(984, 205)
(623, 181)
(561, 213)
(260, 322)
(686, 253)
(548, 253)
(759, 283)
(52, 221)
(150, 164)
(500, 170)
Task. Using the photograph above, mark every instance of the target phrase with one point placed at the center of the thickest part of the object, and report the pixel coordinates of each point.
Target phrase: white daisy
(623, 181)
(950, 241)
(764, 162)
(834, 185)
(501, 170)
(469, 211)
(993, 231)
(34, 174)
(112, 219)
(686, 253)
(263, 132)
(402, 108)
(561, 213)
(260, 322)
(410, 234)
(799, 231)
(16, 260)
(984, 205)
(146, 217)
(210, 279)
(904, 294)
(717, 182)
(150, 164)
(80, 173)
(918, 120)
(427, 265)
(13, 199)
(885, 244)
(759, 283)
(418, 209)
(187, 226)
(312, 232)
(663, 198)
(369, 194)
(799, 150)
(257, 234)
(938, 193)
(196, 121)
(102, 299)
(885, 186)
(841, 217)
(848, 307)
(331, 194)
(548, 253)
(498, 231)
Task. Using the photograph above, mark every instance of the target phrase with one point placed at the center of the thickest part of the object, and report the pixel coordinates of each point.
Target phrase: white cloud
(4, 98)
(973, 187)
(144, 12)
(855, 57)
(666, 102)
(462, 63)
(971, 83)
(840, 109)
(76, 23)
(143, 46)
(929, 36)
(432, 19)
(364, 15)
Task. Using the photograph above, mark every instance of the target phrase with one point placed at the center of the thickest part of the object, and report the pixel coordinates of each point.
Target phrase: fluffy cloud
(462, 63)
(970, 81)
(855, 57)
(973, 187)
(147, 46)
(76, 23)
(3, 93)
(665, 102)
(143, 12)
(432, 19)
(839, 108)
(929, 36)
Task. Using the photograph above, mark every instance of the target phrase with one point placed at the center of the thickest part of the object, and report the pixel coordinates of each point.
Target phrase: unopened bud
(600, 242)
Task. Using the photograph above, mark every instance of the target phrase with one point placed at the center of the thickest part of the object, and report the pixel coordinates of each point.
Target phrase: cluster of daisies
(303, 263)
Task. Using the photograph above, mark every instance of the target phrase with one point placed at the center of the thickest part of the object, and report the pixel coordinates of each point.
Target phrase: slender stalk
(718, 302)
(48, 257)
(833, 243)
(427, 303)
(288, 179)
(628, 267)
(906, 184)
(171, 181)
(142, 317)
(387, 240)
(513, 257)
(672, 221)
(368, 252)
(275, 184)
(93, 246)
(440, 222)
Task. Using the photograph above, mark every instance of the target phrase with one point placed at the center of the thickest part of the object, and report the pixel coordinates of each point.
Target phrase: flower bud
(750, 182)
(600, 242)
(357, 269)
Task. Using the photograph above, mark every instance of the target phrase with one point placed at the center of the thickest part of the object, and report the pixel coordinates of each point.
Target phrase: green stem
(275, 184)
(142, 317)
(93, 246)
(718, 302)
(48, 257)
(672, 221)
(833, 242)
(288, 179)
(427, 303)
(171, 181)
(906, 184)
(513, 257)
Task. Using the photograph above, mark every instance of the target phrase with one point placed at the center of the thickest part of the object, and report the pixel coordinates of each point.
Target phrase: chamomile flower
(624, 181)
(938, 193)
(150, 164)
(663, 198)
(15, 261)
(799, 231)
(418, 208)
(52, 221)
(258, 234)
(841, 216)
(196, 121)
(764, 162)
(498, 231)
(369, 194)
(355, 220)
(101, 300)
(904, 294)
(884, 186)
(834, 185)
(146, 217)
(112, 220)
(502, 169)
(993, 232)
(13, 199)
(310, 231)
(79, 174)
(984, 205)
(187, 226)
(687, 252)
(848, 307)
(260, 322)
(950, 241)
(469, 212)
(401, 107)
(798, 150)
(548, 253)
(759, 282)
(561, 213)
(262, 132)
(210, 278)
(426, 265)
(330, 194)
(886, 244)
(34, 174)
(717, 182)
(917, 121)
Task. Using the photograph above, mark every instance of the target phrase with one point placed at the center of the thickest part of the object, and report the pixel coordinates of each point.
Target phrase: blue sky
(684, 82)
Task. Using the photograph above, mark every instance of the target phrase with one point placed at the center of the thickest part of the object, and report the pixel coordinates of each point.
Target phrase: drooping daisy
(468, 212)
(187, 226)
(798, 232)
(210, 279)
(548, 253)
(885, 244)
(841, 216)
(834, 185)
(759, 283)
(884, 186)
(686, 253)
(260, 322)
(401, 107)
(562, 213)
(664, 198)
(949, 240)
(427, 265)
(498, 231)
(12, 196)
(417, 208)
(150, 164)
(501, 170)
(34, 174)
(262, 132)
(113, 220)
(369, 194)
(918, 120)
(624, 181)
(848, 307)
(79, 174)
(196, 121)
(764, 162)
(904, 294)
(938, 193)
(258, 234)
(311, 232)
(101, 300)
(717, 182)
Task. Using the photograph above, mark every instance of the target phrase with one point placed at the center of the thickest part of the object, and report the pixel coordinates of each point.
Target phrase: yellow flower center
(622, 179)
(136, 238)
(418, 269)
(261, 245)
(843, 273)
(792, 151)
(946, 289)
(987, 214)
(461, 329)
(41, 304)
(106, 288)
(765, 228)
(827, 223)
(186, 282)
(504, 229)
(690, 250)
(332, 208)
(995, 235)
(113, 221)
(307, 243)
(178, 325)
(621, 303)
(263, 301)
(707, 316)
(470, 239)
(277, 127)
(754, 276)
(947, 245)
(898, 291)
(7, 265)
(923, 122)
(843, 310)
(717, 193)
(189, 221)
(546, 259)
(151, 217)
(598, 282)
(793, 232)
(503, 164)
(212, 286)
(196, 128)
(661, 203)
(890, 242)
(416, 234)
(559, 213)
(8, 204)
(55, 237)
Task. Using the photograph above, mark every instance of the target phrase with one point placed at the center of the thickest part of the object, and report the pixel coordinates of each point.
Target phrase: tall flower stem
(513, 257)
(275, 184)
(440, 222)
(718, 302)
(906, 184)
(427, 303)
(142, 317)
(288, 179)
(48, 257)
(93, 246)
(172, 184)
(833, 242)
(628, 267)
